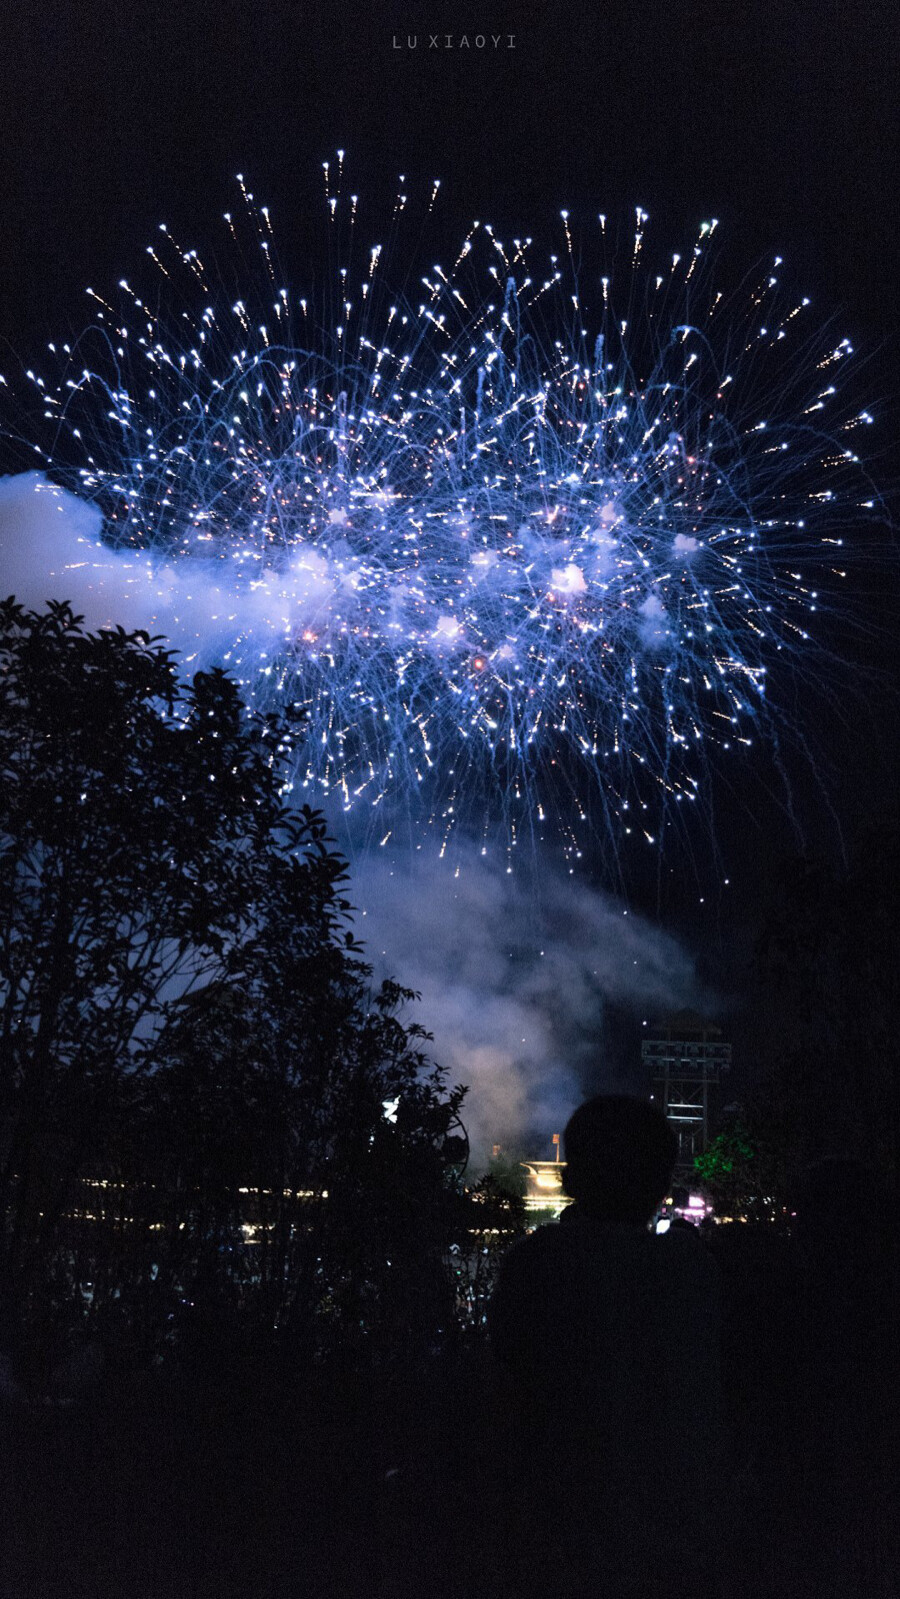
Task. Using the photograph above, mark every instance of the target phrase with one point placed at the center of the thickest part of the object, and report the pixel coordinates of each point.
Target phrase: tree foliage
(744, 1168)
(202, 1100)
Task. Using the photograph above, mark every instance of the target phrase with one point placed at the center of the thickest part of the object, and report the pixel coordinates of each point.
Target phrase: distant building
(544, 1197)
(685, 1057)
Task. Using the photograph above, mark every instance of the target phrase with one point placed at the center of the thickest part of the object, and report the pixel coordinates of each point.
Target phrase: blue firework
(528, 546)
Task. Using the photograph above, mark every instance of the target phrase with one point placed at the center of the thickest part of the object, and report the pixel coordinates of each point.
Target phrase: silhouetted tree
(188, 1027)
(508, 1175)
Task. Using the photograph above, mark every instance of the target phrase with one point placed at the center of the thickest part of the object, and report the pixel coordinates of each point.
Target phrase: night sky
(778, 117)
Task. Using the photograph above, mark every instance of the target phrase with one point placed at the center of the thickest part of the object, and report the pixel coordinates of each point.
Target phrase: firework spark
(527, 547)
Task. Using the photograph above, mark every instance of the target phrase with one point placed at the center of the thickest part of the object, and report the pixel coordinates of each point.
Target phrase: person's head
(619, 1153)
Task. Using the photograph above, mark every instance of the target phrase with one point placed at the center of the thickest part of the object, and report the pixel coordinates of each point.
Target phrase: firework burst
(527, 546)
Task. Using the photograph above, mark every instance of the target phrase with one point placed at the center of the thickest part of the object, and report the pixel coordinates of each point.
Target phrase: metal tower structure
(685, 1057)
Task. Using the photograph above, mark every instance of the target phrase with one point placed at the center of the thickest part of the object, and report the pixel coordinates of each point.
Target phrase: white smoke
(684, 544)
(654, 627)
(515, 980)
(50, 549)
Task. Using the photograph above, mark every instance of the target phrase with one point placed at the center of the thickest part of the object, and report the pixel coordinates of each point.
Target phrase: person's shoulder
(543, 1239)
(683, 1249)
(546, 1243)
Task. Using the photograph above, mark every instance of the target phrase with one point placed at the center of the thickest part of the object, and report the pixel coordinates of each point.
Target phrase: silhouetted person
(610, 1331)
(830, 1447)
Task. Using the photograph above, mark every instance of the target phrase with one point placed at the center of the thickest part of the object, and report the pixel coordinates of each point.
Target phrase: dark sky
(778, 116)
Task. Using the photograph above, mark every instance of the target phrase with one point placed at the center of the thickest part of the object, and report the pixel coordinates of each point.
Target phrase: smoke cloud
(516, 979)
(51, 549)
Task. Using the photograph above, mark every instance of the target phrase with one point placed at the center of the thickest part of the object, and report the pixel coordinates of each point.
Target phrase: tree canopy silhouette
(192, 1056)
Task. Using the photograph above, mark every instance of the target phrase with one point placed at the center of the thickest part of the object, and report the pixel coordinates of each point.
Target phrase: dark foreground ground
(391, 1484)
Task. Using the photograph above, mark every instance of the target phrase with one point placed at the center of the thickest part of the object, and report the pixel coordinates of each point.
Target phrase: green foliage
(729, 1168)
(725, 1153)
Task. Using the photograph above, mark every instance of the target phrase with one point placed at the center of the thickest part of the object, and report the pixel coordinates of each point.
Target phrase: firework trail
(526, 545)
